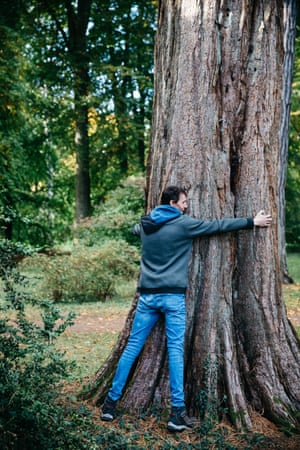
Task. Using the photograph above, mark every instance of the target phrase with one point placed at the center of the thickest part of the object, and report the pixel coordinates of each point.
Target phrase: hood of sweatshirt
(158, 217)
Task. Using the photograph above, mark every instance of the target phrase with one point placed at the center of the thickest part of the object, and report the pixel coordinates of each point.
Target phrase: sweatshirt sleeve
(196, 227)
(136, 229)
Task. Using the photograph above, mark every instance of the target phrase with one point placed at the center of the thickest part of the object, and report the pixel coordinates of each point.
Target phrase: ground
(87, 322)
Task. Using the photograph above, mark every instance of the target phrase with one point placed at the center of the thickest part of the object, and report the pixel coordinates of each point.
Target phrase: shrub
(88, 274)
(32, 372)
(114, 218)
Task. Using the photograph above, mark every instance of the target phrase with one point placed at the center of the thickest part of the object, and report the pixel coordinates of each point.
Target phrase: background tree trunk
(289, 49)
(78, 24)
(215, 131)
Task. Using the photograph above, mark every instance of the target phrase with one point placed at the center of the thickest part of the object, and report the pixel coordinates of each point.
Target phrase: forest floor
(92, 327)
(88, 322)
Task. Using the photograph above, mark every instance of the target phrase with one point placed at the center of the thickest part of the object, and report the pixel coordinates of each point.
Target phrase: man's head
(175, 196)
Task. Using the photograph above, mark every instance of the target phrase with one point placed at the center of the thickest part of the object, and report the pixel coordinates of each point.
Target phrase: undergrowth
(32, 371)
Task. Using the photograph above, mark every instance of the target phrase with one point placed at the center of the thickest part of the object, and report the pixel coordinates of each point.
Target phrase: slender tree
(293, 175)
(289, 14)
(215, 130)
(78, 25)
(75, 41)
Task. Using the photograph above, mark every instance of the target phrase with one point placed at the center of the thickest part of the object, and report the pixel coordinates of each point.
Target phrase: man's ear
(172, 202)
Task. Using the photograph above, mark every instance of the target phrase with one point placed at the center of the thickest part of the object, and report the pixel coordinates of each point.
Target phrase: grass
(291, 292)
(94, 337)
(89, 350)
(293, 261)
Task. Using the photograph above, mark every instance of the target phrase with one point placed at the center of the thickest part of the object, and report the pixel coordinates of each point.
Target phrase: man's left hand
(262, 220)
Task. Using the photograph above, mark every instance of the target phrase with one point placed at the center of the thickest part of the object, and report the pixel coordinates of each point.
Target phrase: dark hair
(171, 193)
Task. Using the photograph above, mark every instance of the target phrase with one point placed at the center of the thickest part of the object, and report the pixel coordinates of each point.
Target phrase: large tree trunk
(216, 122)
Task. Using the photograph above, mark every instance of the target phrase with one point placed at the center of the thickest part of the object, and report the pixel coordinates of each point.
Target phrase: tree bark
(289, 48)
(215, 131)
(78, 24)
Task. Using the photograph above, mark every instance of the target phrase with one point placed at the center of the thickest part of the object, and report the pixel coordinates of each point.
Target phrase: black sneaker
(179, 420)
(108, 412)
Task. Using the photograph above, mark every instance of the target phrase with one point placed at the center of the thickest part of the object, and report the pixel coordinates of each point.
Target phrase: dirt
(89, 323)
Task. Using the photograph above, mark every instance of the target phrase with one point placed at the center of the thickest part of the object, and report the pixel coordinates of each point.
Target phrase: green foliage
(32, 205)
(114, 218)
(34, 412)
(37, 126)
(31, 374)
(88, 274)
(124, 32)
(293, 174)
(10, 255)
(293, 261)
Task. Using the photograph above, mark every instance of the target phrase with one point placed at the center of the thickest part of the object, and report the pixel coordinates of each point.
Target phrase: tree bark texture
(78, 24)
(289, 48)
(215, 131)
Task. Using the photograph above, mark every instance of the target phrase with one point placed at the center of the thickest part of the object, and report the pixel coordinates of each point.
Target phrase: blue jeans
(148, 311)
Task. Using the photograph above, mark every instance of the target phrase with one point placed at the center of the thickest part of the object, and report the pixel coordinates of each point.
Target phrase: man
(167, 236)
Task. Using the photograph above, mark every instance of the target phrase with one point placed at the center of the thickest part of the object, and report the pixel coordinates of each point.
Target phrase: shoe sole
(107, 417)
(173, 427)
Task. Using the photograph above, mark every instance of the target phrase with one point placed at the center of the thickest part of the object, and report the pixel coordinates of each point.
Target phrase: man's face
(181, 204)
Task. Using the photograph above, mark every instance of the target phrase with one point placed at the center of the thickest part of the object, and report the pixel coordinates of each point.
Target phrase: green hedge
(88, 273)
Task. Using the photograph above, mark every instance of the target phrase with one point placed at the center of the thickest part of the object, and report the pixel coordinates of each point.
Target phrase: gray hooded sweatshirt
(167, 236)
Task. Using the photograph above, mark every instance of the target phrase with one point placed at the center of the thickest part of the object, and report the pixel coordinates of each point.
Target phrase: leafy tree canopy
(37, 116)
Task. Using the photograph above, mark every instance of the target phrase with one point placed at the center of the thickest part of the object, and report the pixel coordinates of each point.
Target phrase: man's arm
(196, 227)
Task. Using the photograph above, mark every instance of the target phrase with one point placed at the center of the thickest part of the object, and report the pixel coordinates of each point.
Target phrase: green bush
(31, 375)
(115, 218)
(88, 274)
(32, 372)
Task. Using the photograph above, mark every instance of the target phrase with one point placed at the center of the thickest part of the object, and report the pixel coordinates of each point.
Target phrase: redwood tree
(215, 131)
